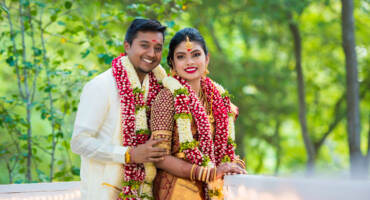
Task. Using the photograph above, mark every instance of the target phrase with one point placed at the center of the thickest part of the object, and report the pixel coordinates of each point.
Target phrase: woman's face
(190, 64)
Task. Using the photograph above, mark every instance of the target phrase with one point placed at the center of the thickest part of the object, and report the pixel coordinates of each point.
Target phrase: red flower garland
(221, 109)
(134, 174)
(190, 104)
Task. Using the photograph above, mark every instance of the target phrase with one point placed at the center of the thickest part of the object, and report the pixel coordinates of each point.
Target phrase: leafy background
(50, 49)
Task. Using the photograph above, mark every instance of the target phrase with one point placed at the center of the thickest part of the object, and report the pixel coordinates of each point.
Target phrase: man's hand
(147, 153)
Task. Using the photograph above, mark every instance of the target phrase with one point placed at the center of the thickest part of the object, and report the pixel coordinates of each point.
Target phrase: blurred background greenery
(282, 60)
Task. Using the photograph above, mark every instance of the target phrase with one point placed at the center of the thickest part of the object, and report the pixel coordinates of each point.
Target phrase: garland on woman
(203, 150)
(135, 99)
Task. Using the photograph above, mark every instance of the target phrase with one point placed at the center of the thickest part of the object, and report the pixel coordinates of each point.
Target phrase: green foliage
(251, 54)
(183, 91)
(68, 43)
(205, 161)
(225, 159)
(253, 58)
(183, 116)
(188, 145)
(143, 131)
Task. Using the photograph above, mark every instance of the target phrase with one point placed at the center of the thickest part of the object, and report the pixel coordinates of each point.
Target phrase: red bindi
(154, 40)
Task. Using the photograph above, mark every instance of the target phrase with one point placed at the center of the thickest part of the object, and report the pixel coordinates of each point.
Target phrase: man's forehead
(149, 36)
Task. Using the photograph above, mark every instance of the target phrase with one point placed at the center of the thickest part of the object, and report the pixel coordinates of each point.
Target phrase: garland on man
(135, 118)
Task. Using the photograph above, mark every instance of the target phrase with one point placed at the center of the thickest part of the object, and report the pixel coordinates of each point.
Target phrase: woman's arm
(175, 166)
(183, 169)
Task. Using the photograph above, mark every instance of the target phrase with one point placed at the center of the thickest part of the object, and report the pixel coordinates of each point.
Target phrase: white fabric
(96, 137)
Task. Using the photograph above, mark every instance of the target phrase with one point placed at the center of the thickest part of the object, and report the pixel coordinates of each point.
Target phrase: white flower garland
(231, 126)
(159, 73)
(184, 124)
(140, 115)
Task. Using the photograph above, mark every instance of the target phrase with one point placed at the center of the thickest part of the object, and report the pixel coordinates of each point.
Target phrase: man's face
(145, 52)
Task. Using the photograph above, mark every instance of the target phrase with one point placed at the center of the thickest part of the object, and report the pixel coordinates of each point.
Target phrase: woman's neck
(195, 85)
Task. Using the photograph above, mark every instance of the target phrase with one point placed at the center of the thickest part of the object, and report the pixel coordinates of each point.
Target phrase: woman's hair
(180, 36)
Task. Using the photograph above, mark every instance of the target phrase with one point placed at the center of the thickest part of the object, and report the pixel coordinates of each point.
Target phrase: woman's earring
(206, 72)
(173, 72)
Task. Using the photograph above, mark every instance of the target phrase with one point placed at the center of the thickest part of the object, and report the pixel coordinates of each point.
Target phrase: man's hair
(143, 25)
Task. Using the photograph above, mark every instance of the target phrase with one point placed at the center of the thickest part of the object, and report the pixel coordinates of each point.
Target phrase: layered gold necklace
(208, 106)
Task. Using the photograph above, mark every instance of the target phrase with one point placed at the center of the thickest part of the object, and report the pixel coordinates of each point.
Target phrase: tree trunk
(10, 172)
(301, 98)
(368, 148)
(338, 116)
(50, 96)
(278, 147)
(214, 37)
(353, 115)
(27, 98)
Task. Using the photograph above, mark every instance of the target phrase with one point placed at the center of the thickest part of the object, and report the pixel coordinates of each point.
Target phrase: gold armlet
(163, 134)
(128, 155)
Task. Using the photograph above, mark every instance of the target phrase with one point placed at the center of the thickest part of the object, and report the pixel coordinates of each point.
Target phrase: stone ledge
(41, 191)
(251, 187)
(236, 187)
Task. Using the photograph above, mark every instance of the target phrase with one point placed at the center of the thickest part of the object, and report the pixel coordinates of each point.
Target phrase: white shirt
(97, 138)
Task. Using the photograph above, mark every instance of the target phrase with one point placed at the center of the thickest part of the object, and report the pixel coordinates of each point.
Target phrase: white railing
(250, 187)
(237, 187)
(41, 191)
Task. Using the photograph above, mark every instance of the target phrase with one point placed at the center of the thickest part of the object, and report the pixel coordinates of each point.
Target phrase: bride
(195, 117)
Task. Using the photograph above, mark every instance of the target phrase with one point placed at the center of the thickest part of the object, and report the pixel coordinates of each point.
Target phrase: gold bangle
(200, 174)
(204, 174)
(241, 162)
(208, 173)
(127, 155)
(191, 172)
(215, 173)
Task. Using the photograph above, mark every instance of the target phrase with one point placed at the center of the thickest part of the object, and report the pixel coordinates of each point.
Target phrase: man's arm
(88, 139)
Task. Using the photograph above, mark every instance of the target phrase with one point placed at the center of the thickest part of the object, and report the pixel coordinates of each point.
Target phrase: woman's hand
(229, 168)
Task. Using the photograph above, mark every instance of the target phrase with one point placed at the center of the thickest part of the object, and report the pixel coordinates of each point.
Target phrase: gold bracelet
(215, 173)
(204, 174)
(242, 163)
(127, 155)
(200, 174)
(191, 172)
(208, 173)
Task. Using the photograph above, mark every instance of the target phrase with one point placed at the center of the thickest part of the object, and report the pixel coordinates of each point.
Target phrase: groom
(111, 131)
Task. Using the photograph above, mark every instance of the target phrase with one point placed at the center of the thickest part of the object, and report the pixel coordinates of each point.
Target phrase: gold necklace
(202, 98)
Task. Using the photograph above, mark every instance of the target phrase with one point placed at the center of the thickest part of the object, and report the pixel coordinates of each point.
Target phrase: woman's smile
(191, 70)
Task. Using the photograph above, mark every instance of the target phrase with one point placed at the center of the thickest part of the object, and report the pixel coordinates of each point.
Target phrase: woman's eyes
(180, 57)
(193, 55)
(196, 55)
